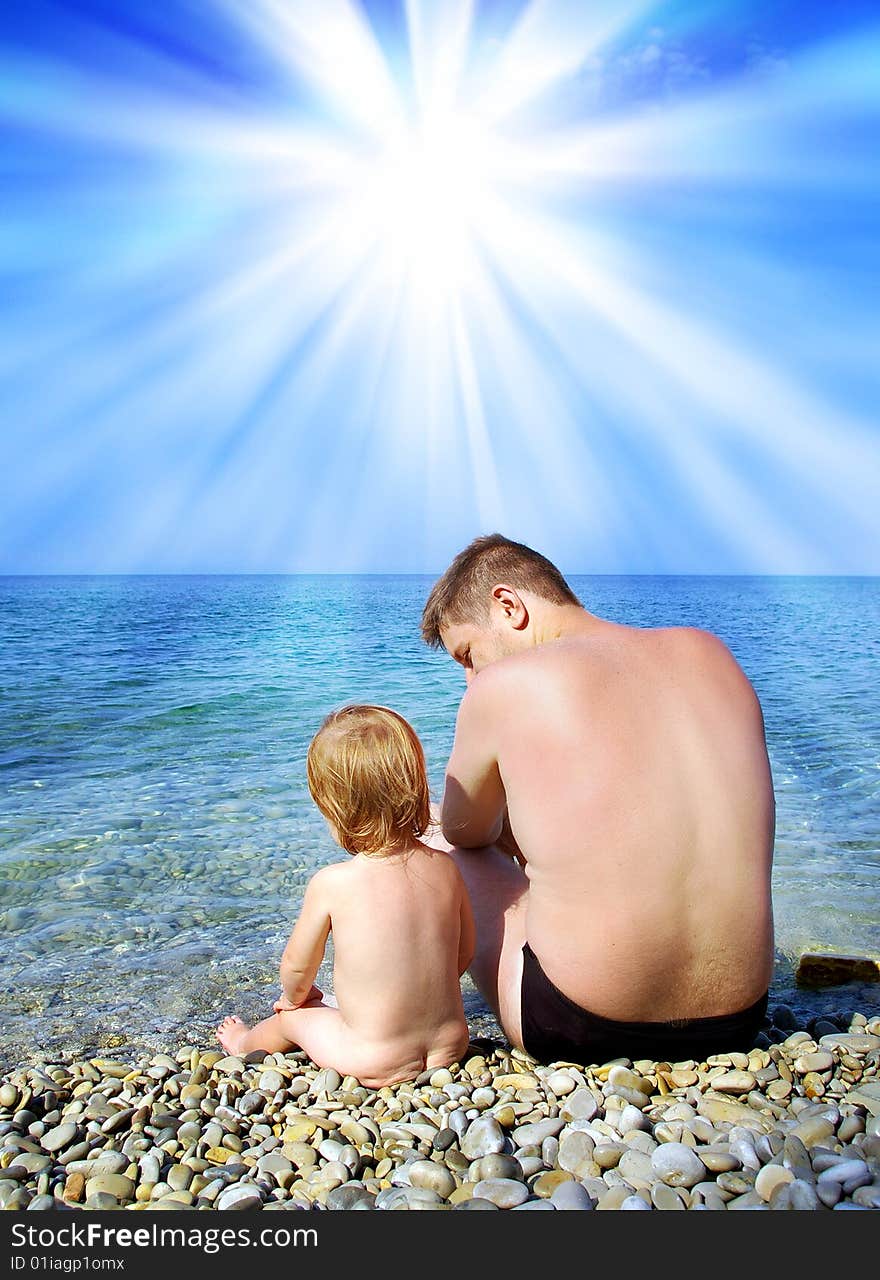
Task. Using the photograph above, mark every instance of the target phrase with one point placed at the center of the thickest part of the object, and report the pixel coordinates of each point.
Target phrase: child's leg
(273, 1035)
(237, 1037)
(329, 1041)
(319, 1029)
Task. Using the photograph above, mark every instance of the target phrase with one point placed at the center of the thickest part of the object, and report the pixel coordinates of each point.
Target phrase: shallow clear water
(156, 831)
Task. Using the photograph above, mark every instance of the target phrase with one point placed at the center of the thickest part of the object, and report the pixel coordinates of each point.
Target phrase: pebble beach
(793, 1124)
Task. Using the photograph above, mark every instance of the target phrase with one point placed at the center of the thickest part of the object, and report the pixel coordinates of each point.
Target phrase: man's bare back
(638, 789)
(633, 771)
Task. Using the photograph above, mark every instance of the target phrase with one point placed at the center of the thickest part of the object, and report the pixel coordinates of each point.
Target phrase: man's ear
(512, 606)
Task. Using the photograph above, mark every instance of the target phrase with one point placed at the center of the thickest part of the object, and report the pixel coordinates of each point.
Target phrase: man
(626, 770)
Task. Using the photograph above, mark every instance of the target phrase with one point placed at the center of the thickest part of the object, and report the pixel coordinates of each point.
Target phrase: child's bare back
(402, 934)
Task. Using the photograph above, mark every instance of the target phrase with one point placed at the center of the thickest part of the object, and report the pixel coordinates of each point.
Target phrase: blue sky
(318, 286)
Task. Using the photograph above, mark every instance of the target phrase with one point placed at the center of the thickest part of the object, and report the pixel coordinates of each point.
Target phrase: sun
(426, 201)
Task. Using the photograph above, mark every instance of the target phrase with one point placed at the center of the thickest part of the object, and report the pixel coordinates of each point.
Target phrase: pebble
(638, 1169)
(851, 1042)
(801, 1195)
(496, 1166)
(580, 1105)
(576, 1153)
(240, 1196)
(771, 1177)
(717, 1160)
(326, 1081)
(635, 1202)
(483, 1137)
(350, 1196)
(607, 1154)
(720, 1111)
(74, 1187)
(532, 1135)
(434, 1177)
(458, 1122)
(59, 1137)
(503, 1192)
(546, 1183)
(813, 1130)
(666, 1198)
(845, 1171)
(299, 1128)
(570, 1196)
(113, 1184)
(560, 1083)
(100, 1201)
(810, 1062)
(677, 1165)
(734, 1082)
(736, 1182)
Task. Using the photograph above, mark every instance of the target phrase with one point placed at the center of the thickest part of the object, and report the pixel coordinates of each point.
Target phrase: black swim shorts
(555, 1029)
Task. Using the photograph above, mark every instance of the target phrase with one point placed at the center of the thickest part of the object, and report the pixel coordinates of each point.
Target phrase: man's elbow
(470, 835)
(461, 837)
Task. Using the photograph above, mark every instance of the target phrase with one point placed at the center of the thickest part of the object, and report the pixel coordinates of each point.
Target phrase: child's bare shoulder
(328, 879)
(441, 863)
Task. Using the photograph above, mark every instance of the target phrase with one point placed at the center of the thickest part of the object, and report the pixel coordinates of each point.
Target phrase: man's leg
(498, 890)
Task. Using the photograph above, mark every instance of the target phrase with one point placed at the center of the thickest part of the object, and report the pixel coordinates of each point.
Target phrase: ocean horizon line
(392, 573)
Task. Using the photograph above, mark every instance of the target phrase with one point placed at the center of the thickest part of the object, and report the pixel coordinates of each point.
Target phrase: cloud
(655, 68)
(761, 60)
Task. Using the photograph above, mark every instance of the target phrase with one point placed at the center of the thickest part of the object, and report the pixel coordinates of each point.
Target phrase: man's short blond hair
(366, 773)
(464, 591)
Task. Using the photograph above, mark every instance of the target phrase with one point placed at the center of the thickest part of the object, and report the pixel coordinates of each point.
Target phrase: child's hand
(283, 1005)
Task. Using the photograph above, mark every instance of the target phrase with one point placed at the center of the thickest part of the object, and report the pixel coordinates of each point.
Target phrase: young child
(402, 927)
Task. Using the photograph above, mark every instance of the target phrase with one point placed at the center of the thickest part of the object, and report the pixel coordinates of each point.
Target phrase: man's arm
(474, 803)
(305, 948)
(467, 938)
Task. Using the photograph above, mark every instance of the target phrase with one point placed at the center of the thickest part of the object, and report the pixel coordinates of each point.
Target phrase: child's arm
(467, 937)
(305, 947)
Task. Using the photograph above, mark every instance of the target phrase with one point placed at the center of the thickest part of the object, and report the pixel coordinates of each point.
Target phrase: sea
(156, 830)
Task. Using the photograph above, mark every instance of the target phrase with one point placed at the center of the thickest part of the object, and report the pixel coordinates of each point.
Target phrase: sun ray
(550, 42)
(332, 47)
(439, 33)
(747, 396)
(424, 264)
(490, 507)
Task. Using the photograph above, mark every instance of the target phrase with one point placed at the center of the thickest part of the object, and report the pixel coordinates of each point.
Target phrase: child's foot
(231, 1032)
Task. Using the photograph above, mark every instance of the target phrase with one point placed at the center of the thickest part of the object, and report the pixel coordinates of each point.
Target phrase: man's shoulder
(698, 655)
(516, 671)
(697, 643)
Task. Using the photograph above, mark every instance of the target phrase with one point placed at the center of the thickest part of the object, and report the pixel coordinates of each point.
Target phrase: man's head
(484, 606)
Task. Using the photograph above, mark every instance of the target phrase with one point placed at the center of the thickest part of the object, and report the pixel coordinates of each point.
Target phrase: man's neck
(561, 621)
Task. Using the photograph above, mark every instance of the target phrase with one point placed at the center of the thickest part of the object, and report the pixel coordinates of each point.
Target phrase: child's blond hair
(366, 772)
